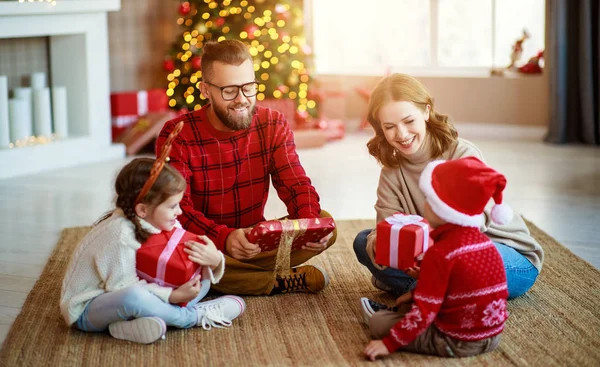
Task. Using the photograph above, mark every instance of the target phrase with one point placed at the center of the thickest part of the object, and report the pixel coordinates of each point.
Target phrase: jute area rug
(556, 324)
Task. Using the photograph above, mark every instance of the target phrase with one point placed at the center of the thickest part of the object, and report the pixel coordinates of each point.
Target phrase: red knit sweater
(228, 173)
(461, 290)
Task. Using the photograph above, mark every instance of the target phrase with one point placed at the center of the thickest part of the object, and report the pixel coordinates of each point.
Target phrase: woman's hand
(318, 246)
(414, 271)
(205, 253)
(186, 292)
(376, 348)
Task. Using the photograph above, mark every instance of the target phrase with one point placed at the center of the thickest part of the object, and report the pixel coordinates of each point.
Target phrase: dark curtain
(572, 53)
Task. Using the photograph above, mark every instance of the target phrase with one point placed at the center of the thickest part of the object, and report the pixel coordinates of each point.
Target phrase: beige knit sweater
(104, 261)
(398, 191)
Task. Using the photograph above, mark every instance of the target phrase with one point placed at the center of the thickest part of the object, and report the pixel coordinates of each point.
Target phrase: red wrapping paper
(155, 264)
(400, 239)
(268, 235)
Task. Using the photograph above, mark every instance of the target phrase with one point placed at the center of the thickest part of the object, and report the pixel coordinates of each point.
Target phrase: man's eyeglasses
(230, 92)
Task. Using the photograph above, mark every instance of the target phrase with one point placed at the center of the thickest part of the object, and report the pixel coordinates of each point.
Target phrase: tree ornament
(184, 8)
(169, 65)
(196, 62)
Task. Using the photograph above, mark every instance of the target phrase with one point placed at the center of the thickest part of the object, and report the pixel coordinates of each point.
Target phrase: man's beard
(234, 122)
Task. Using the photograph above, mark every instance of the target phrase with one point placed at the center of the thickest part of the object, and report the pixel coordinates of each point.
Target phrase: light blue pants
(520, 272)
(135, 302)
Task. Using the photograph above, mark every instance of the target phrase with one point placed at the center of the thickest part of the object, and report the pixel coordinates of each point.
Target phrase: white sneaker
(369, 307)
(143, 330)
(219, 312)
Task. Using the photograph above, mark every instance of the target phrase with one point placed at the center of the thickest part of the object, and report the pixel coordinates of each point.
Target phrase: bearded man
(229, 151)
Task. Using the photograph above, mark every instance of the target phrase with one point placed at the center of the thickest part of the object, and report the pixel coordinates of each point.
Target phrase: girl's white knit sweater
(104, 261)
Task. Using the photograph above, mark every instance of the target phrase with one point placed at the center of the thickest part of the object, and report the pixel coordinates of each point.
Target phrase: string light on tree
(272, 29)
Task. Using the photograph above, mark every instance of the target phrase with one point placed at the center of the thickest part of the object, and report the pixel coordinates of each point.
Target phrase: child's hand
(186, 292)
(376, 348)
(414, 271)
(205, 254)
(405, 298)
(318, 246)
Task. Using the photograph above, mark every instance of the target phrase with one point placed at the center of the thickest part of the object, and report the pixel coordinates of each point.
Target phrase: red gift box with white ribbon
(400, 239)
(127, 107)
(272, 234)
(161, 259)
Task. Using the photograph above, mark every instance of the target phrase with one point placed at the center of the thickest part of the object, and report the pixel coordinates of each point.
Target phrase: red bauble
(169, 65)
(220, 21)
(250, 30)
(196, 62)
(184, 8)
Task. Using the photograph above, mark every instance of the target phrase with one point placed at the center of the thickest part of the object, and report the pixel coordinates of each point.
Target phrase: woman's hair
(129, 183)
(402, 87)
(230, 52)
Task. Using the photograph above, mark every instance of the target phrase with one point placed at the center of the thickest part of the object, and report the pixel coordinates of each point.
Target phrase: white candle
(59, 111)
(4, 129)
(42, 112)
(19, 114)
(38, 80)
(26, 94)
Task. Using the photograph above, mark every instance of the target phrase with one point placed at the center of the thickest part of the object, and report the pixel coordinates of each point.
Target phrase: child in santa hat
(459, 306)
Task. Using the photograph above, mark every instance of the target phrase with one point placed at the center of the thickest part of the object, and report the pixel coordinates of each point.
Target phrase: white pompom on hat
(458, 191)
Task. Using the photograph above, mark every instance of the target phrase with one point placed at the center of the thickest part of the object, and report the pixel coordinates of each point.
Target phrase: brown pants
(256, 276)
(432, 341)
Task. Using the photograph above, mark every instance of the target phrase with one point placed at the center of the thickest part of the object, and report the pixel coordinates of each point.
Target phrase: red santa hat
(458, 191)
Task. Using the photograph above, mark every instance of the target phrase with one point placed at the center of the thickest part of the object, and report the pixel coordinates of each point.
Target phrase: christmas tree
(273, 30)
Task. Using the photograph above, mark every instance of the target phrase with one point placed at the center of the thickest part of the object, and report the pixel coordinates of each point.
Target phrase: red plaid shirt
(228, 173)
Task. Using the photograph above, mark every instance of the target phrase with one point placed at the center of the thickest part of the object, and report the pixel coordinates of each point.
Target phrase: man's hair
(230, 52)
(402, 87)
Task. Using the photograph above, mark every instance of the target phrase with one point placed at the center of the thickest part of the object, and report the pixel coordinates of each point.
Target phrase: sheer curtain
(573, 52)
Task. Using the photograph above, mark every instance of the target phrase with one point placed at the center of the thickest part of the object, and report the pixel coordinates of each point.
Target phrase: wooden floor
(556, 187)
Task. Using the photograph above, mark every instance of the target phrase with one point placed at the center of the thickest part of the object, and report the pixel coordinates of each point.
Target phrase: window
(380, 36)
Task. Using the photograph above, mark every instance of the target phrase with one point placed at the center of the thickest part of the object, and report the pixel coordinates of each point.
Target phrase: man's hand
(238, 246)
(405, 298)
(376, 348)
(413, 271)
(205, 253)
(186, 292)
(318, 246)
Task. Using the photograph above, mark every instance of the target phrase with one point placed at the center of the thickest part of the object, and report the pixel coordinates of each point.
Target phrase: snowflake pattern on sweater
(461, 290)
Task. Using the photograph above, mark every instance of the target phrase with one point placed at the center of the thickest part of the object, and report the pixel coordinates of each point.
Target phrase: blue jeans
(135, 302)
(399, 281)
(520, 272)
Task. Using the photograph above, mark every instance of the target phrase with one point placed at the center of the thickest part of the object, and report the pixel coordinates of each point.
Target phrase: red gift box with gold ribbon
(400, 239)
(270, 234)
(161, 259)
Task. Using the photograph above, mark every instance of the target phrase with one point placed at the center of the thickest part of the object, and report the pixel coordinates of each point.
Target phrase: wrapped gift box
(161, 259)
(144, 131)
(268, 235)
(400, 239)
(127, 107)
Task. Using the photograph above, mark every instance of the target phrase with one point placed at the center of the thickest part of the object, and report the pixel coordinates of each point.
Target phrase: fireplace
(78, 39)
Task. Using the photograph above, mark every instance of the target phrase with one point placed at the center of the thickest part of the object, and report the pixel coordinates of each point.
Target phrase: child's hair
(402, 87)
(130, 181)
(230, 52)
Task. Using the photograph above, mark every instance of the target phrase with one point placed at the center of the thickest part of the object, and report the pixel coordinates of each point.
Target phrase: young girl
(409, 133)
(459, 305)
(101, 289)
